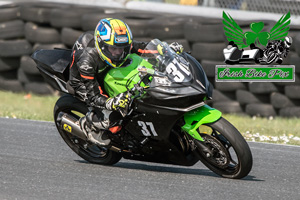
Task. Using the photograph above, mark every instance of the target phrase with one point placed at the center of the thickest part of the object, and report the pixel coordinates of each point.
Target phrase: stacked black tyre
(288, 100)
(41, 35)
(12, 47)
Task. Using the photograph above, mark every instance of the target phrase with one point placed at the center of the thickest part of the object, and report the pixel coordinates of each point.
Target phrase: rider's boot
(94, 135)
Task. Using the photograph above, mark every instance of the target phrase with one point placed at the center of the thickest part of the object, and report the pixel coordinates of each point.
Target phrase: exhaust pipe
(71, 125)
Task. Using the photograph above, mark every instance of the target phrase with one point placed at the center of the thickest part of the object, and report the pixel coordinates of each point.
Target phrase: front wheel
(231, 156)
(89, 152)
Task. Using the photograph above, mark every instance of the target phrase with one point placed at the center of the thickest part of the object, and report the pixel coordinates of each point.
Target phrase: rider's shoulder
(89, 34)
(86, 39)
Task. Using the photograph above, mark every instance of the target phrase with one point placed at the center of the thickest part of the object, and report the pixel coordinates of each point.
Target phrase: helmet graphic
(113, 40)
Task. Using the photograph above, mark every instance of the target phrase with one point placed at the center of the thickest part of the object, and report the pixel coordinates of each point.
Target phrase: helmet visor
(115, 53)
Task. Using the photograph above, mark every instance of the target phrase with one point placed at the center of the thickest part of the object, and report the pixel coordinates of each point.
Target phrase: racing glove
(118, 102)
(175, 46)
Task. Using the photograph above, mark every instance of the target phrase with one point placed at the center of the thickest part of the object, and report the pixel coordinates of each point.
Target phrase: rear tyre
(231, 157)
(89, 152)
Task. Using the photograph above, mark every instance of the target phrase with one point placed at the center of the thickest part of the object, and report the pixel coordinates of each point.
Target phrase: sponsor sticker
(67, 128)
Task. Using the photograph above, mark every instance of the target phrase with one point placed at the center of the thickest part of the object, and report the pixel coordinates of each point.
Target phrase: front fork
(195, 118)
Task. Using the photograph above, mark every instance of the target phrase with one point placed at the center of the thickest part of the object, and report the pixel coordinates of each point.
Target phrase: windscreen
(166, 61)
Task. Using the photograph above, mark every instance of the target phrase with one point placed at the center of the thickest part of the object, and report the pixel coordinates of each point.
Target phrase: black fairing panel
(157, 116)
(54, 61)
(177, 101)
(199, 74)
(159, 147)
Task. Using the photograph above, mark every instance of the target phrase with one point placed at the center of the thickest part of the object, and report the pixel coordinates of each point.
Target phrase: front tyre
(231, 156)
(89, 152)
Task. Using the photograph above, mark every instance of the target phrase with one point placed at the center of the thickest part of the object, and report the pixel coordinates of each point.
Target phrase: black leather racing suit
(87, 70)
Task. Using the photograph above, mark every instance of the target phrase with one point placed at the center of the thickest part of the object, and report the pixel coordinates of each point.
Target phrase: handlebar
(143, 73)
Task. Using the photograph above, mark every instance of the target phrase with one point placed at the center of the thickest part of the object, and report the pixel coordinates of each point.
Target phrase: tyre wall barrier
(26, 27)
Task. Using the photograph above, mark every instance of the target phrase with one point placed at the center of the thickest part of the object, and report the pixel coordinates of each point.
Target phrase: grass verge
(274, 130)
(27, 106)
(277, 130)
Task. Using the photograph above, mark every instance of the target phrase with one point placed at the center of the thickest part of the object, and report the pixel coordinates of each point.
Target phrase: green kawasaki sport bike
(167, 120)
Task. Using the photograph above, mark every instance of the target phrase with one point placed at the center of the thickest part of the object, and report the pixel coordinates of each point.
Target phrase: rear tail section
(54, 67)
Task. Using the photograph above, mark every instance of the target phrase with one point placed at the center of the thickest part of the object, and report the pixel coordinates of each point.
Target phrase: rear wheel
(89, 152)
(231, 156)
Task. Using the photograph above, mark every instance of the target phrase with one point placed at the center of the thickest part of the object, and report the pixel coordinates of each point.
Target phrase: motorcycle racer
(276, 50)
(94, 54)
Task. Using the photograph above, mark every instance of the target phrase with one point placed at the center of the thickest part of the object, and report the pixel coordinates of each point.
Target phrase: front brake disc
(220, 157)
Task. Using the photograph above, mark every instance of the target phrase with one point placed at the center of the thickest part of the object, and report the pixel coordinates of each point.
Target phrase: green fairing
(201, 115)
(116, 78)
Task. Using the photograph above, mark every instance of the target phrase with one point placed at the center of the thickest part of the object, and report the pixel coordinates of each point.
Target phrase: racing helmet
(113, 41)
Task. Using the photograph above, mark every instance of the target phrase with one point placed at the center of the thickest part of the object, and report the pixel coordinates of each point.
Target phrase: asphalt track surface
(35, 163)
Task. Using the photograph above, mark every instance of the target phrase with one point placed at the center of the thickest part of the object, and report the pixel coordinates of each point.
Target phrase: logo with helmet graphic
(265, 47)
(254, 51)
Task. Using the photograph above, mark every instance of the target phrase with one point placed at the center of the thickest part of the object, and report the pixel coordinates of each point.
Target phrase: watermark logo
(254, 51)
(257, 73)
